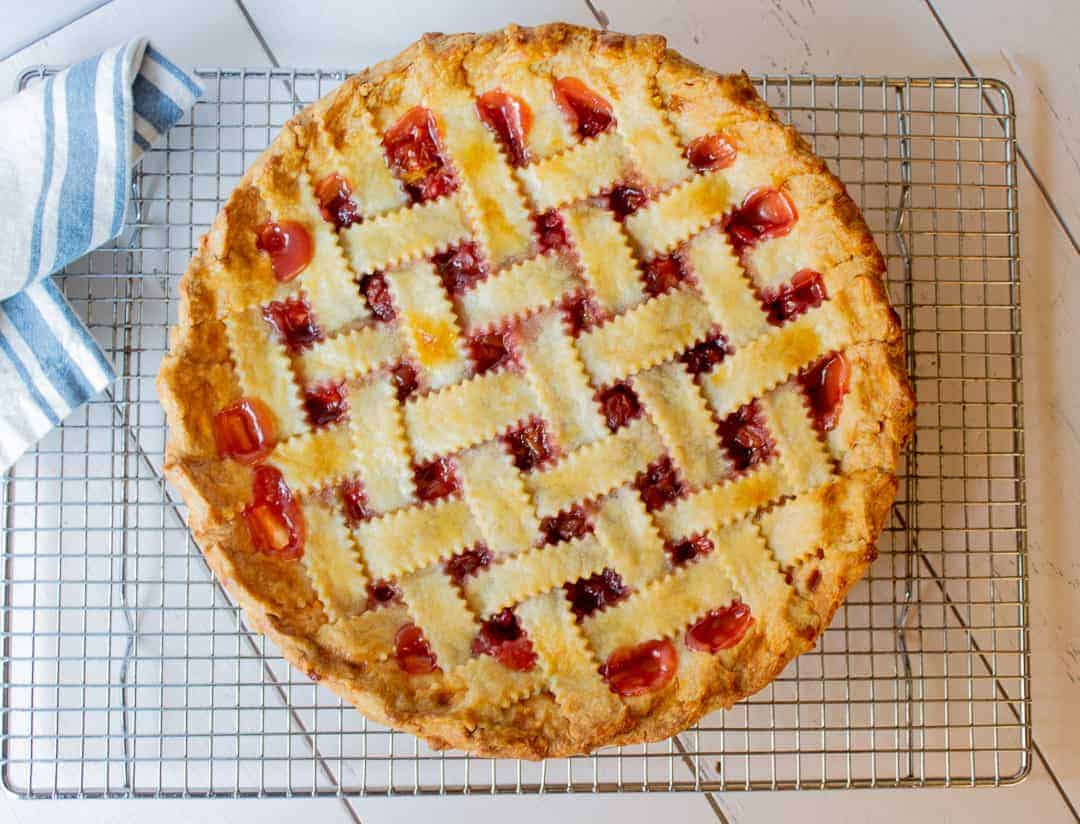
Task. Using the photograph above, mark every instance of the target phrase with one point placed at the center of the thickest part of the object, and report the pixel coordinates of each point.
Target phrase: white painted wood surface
(1031, 46)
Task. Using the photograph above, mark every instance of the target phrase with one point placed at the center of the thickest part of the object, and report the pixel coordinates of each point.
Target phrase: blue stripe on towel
(46, 181)
(153, 105)
(65, 376)
(174, 70)
(80, 334)
(122, 129)
(75, 212)
(28, 382)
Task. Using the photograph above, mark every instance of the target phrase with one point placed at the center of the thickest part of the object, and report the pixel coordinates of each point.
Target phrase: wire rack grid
(126, 670)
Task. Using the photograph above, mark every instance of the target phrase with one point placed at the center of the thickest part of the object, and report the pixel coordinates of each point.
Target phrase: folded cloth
(67, 147)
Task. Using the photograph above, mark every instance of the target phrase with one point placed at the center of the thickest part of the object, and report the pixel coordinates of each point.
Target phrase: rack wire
(126, 670)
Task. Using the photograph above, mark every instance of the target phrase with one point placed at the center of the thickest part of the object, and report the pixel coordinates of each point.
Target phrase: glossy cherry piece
(529, 445)
(336, 203)
(720, 628)
(566, 526)
(805, 290)
(685, 551)
(641, 669)
(625, 199)
(706, 355)
(404, 378)
(460, 267)
(468, 562)
(289, 246)
(598, 591)
(659, 484)
(502, 636)
(765, 213)
(620, 405)
(588, 112)
(326, 404)
(490, 350)
(376, 292)
(435, 479)
(510, 119)
(745, 437)
(662, 274)
(355, 502)
(294, 323)
(710, 152)
(412, 651)
(244, 431)
(551, 231)
(825, 383)
(414, 154)
(581, 313)
(382, 592)
(273, 518)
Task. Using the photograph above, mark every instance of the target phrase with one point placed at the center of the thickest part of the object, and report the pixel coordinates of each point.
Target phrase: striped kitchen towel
(67, 147)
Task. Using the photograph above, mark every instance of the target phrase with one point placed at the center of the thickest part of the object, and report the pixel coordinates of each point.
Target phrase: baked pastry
(537, 391)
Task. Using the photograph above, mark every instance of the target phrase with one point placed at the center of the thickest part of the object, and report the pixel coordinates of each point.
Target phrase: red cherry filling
(490, 350)
(589, 114)
(244, 431)
(413, 152)
(685, 551)
(510, 119)
(404, 378)
(377, 294)
(704, 356)
(625, 199)
(642, 668)
(745, 437)
(294, 323)
(355, 502)
(502, 636)
(765, 213)
(566, 526)
(663, 274)
(581, 313)
(659, 484)
(336, 203)
(435, 479)
(551, 231)
(529, 445)
(709, 152)
(460, 267)
(412, 651)
(326, 404)
(825, 383)
(273, 518)
(289, 246)
(587, 595)
(620, 405)
(720, 628)
(806, 289)
(382, 592)
(466, 563)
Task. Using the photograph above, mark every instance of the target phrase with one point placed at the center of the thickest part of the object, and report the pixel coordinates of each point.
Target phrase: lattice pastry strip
(382, 453)
(566, 659)
(327, 279)
(428, 322)
(333, 562)
(660, 226)
(558, 379)
(596, 468)
(409, 539)
(518, 290)
(494, 200)
(437, 608)
(757, 579)
(667, 605)
(725, 287)
(315, 459)
(533, 572)
(677, 407)
(577, 173)
(645, 336)
(605, 257)
(465, 414)
(263, 370)
(405, 235)
(633, 544)
(497, 498)
(805, 459)
(351, 354)
(486, 683)
(363, 638)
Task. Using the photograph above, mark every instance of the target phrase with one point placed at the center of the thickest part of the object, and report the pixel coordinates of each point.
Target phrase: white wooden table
(1029, 45)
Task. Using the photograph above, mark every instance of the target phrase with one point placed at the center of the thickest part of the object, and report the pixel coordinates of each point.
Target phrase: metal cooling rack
(127, 671)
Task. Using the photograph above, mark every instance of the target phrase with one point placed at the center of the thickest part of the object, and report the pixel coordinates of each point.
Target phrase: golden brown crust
(821, 540)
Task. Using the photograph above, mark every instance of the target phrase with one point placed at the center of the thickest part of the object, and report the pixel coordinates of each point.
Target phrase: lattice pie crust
(783, 531)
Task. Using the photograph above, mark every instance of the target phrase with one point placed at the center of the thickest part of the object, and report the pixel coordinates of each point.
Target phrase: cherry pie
(537, 391)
